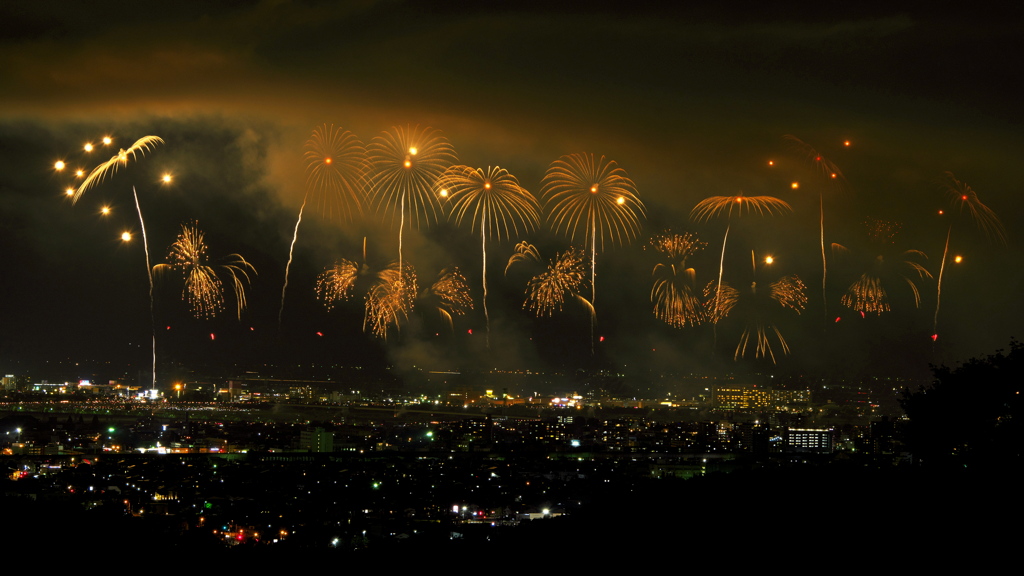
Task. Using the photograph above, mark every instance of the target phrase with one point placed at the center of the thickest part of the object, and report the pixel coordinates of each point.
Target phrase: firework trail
(868, 294)
(203, 287)
(493, 201)
(717, 206)
(963, 199)
(288, 266)
(673, 293)
(149, 275)
(594, 196)
(335, 167)
(830, 173)
(405, 165)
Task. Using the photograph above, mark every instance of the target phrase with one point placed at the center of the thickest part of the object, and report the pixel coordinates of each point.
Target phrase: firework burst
(337, 282)
(492, 201)
(203, 288)
(335, 168)
(405, 165)
(674, 291)
(869, 293)
(116, 162)
(759, 309)
(449, 295)
(388, 300)
(109, 168)
(547, 291)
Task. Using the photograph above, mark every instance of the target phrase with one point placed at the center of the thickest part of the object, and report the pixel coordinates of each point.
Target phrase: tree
(970, 415)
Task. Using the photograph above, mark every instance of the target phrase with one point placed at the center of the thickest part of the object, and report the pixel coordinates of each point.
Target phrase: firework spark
(964, 200)
(493, 201)
(204, 289)
(116, 162)
(674, 291)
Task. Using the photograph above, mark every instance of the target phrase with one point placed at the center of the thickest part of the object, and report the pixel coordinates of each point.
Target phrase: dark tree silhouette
(970, 415)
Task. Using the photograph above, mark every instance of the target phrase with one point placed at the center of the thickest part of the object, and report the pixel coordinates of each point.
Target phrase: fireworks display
(408, 176)
(203, 286)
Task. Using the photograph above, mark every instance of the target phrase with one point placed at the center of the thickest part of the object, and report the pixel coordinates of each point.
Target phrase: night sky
(691, 103)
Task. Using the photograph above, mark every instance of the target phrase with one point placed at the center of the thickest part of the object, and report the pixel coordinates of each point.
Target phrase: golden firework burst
(674, 291)
(203, 288)
(336, 165)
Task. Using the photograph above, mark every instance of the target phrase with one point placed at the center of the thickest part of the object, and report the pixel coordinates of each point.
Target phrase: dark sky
(691, 103)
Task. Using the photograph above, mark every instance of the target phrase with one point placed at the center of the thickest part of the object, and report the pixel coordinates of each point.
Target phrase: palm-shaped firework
(674, 293)
(335, 167)
(405, 165)
(493, 202)
(883, 266)
(830, 174)
(203, 287)
(729, 206)
(964, 202)
(593, 200)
